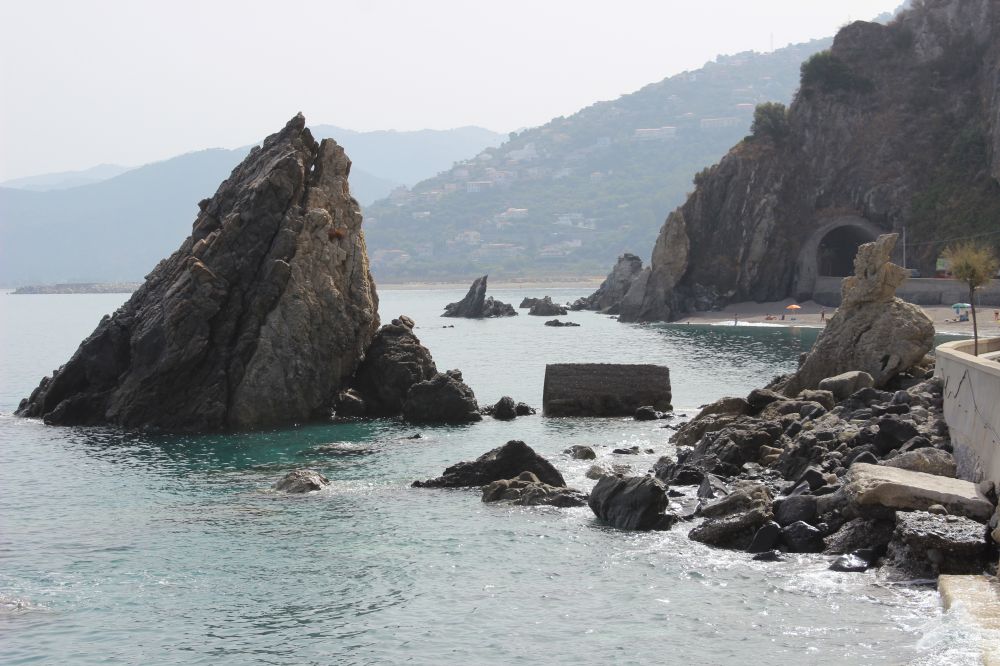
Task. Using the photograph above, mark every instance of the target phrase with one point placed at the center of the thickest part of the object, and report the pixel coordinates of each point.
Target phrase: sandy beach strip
(813, 315)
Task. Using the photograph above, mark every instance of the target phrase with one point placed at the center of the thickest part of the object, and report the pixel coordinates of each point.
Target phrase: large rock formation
(611, 292)
(476, 305)
(444, 398)
(872, 330)
(896, 126)
(258, 319)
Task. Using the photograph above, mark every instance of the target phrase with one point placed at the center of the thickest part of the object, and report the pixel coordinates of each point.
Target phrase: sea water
(123, 548)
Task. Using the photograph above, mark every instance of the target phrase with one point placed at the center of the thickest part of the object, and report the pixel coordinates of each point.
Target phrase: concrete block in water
(604, 389)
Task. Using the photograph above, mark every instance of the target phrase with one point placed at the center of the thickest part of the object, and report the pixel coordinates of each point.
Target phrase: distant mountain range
(567, 198)
(112, 223)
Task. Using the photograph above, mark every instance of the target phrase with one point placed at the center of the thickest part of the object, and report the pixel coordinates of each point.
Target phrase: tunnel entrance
(835, 254)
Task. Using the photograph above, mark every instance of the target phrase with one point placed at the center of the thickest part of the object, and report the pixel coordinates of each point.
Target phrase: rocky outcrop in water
(258, 319)
(477, 305)
(301, 481)
(528, 490)
(872, 331)
(503, 462)
(544, 307)
(609, 295)
(894, 127)
(444, 398)
(394, 362)
(631, 503)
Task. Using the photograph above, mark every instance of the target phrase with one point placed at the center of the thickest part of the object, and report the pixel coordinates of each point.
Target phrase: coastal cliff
(896, 126)
(258, 319)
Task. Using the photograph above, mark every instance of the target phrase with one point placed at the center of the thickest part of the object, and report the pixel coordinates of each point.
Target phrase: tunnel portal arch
(829, 251)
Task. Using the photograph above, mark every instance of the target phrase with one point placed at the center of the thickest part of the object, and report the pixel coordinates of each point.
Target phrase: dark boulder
(527, 302)
(766, 538)
(857, 562)
(560, 324)
(503, 462)
(646, 413)
(505, 409)
(801, 537)
(476, 305)
(523, 409)
(581, 452)
(893, 433)
(444, 398)
(544, 307)
(799, 508)
(632, 503)
(394, 362)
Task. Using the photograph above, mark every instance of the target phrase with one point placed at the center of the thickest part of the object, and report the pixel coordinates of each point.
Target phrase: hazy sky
(132, 81)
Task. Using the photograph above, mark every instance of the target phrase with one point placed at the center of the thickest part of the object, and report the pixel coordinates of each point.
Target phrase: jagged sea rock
(872, 330)
(444, 398)
(258, 319)
(609, 295)
(503, 462)
(505, 409)
(476, 305)
(394, 362)
(544, 307)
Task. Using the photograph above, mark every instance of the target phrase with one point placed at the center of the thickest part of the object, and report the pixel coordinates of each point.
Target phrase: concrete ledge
(978, 597)
(971, 396)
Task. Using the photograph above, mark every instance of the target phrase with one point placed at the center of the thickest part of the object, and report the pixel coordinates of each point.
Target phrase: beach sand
(811, 315)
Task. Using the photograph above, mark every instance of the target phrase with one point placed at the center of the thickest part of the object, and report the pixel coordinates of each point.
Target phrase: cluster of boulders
(543, 307)
(398, 377)
(477, 305)
(560, 323)
(867, 476)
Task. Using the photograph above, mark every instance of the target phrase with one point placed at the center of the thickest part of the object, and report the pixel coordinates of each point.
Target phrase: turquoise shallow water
(121, 548)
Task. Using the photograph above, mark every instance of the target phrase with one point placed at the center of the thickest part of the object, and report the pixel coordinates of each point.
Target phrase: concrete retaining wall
(972, 406)
(922, 291)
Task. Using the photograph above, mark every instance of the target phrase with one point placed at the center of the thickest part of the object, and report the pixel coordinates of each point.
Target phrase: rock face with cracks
(258, 319)
(872, 330)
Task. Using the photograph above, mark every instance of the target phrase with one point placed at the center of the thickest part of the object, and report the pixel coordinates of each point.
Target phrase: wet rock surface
(260, 317)
(631, 503)
(926, 545)
(504, 462)
(477, 305)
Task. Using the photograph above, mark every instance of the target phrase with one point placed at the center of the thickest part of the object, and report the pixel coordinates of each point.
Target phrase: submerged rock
(444, 398)
(301, 481)
(476, 305)
(504, 462)
(258, 319)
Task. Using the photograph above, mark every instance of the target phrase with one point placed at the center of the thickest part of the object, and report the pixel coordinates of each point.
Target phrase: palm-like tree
(974, 265)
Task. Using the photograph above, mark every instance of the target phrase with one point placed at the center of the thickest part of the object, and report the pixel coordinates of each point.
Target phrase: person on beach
(736, 319)
(822, 314)
(996, 315)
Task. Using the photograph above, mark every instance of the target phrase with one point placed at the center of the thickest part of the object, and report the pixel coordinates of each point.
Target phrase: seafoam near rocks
(258, 319)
